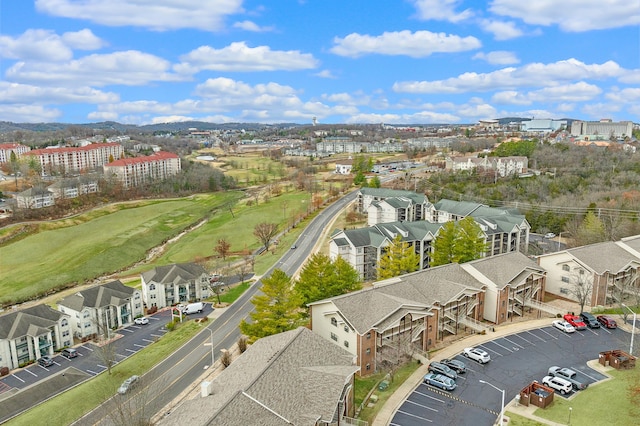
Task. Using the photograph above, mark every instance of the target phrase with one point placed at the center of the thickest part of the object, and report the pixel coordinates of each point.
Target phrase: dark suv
(439, 368)
(590, 320)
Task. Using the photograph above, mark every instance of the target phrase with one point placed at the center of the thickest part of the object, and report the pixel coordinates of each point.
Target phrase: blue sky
(342, 61)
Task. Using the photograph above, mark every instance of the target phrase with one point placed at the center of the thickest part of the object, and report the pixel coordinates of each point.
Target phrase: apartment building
(76, 159)
(7, 148)
(138, 170)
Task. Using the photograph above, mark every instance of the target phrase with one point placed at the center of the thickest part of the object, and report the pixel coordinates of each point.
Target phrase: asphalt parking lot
(516, 360)
(88, 363)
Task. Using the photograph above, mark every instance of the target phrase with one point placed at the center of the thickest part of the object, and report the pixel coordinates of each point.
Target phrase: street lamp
(633, 331)
(559, 239)
(570, 410)
(502, 406)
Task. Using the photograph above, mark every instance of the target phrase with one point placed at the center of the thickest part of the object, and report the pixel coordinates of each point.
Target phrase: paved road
(184, 367)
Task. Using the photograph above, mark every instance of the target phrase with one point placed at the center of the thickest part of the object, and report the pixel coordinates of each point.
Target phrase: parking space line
(491, 350)
(155, 319)
(130, 350)
(92, 372)
(56, 363)
(579, 371)
(504, 347)
(87, 348)
(157, 335)
(102, 366)
(513, 343)
(147, 340)
(18, 378)
(127, 330)
(604, 329)
(123, 356)
(140, 346)
(413, 415)
(429, 396)
(593, 331)
(549, 334)
(32, 373)
(519, 335)
(422, 405)
(536, 336)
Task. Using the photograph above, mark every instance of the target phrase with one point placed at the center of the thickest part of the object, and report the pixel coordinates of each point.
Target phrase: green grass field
(102, 241)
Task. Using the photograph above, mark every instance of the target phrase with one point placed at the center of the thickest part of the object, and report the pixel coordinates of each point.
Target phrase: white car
(549, 235)
(477, 355)
(141, 321)
(557, 383)
(563, 326)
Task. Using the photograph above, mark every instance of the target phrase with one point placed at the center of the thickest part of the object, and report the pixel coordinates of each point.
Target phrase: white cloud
(158, 15)
(571, 15)
(325, 74)
(498, 57)
(629, 95)
(240, 57)
(129, 68)
(19, 113)
(600, 110)
(441, 10)
(251, 26)
(103, 116)
(631, 77)
(23, 93)
(45, 45)
(531, 75)
(510, 97)
(501, 30)
(222, 86)
(417, 44)
(576, 92)
(171, 119)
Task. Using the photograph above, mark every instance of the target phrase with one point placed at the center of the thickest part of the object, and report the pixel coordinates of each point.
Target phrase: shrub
(225, 359)
(242, 344)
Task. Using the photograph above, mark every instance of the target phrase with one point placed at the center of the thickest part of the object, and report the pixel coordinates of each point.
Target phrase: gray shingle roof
(505, 269)
(32, 321)
(295, 375)
(111, 293)
(603, 257)
(363, 237)
(386, 192)
(178, 272)
(459, 208)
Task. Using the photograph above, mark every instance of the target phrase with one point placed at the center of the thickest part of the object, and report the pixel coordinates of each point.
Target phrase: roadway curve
(184, 367)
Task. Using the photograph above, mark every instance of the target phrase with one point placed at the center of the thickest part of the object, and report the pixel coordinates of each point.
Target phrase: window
(334, 336)
(368, 367)
(346, 344)
(368, 351)
(430, 327)
(137, 306)
(565, 267)
(86, 314)
(87, 324)
(65, 333)
(369, 335)
(64, 322)
(346, 328)
(153, 296)
(565, 279)
(581, 271)
(334, 322)
(152, 287)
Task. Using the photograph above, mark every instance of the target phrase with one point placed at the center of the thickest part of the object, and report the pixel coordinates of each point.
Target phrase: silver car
(128, 384)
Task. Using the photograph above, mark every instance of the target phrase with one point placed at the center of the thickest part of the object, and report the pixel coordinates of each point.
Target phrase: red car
(575, 321)
(607, 321)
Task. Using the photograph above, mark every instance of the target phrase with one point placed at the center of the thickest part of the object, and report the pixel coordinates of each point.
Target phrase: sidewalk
(393, 403)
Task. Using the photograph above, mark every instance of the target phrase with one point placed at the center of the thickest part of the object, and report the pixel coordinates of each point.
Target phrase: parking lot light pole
(633, 331)
(501, 406)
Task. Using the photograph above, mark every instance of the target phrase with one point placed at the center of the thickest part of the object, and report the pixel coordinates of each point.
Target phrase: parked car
(439, 381)
(457, 366)
(559, 384)
(69, 353)
(549, 235)
(563, 326)
(569, 375)
(193, 308)
(128, 384)
(439, 368)
(477, 355)
(45, 361)
(607, 321)
(590, 320)
(141, 321)
(575, 321)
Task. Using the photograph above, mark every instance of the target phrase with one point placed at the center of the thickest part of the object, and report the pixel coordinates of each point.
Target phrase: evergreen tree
(443, 245)
(375, 182)
(321, 278)
(458, 242)
(276, 310)
(400, 258)
(591, 230)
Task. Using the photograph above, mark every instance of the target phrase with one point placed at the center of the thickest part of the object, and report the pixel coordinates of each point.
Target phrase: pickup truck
(569, 375)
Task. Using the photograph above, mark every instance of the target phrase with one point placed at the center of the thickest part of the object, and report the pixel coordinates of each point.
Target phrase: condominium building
(76, 159)
(138, 170)
(7, 148)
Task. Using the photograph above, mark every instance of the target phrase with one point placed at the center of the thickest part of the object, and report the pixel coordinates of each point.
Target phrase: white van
(193, 308)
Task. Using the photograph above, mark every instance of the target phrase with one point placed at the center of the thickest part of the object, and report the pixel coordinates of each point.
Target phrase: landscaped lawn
(605, 403)
(102, 241)
(74, 403)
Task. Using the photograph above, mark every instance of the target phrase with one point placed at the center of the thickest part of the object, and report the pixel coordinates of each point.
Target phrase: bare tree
(623, 287)
(136, 406)
(105, 348)
(222, 248)
(581, 286)
(265, 232)
(245, 268)
(396, 353)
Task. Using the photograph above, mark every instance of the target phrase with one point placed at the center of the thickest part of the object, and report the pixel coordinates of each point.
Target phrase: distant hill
(6, 126)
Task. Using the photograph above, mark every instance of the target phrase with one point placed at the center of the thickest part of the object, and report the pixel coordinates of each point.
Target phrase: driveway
(517, 359)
